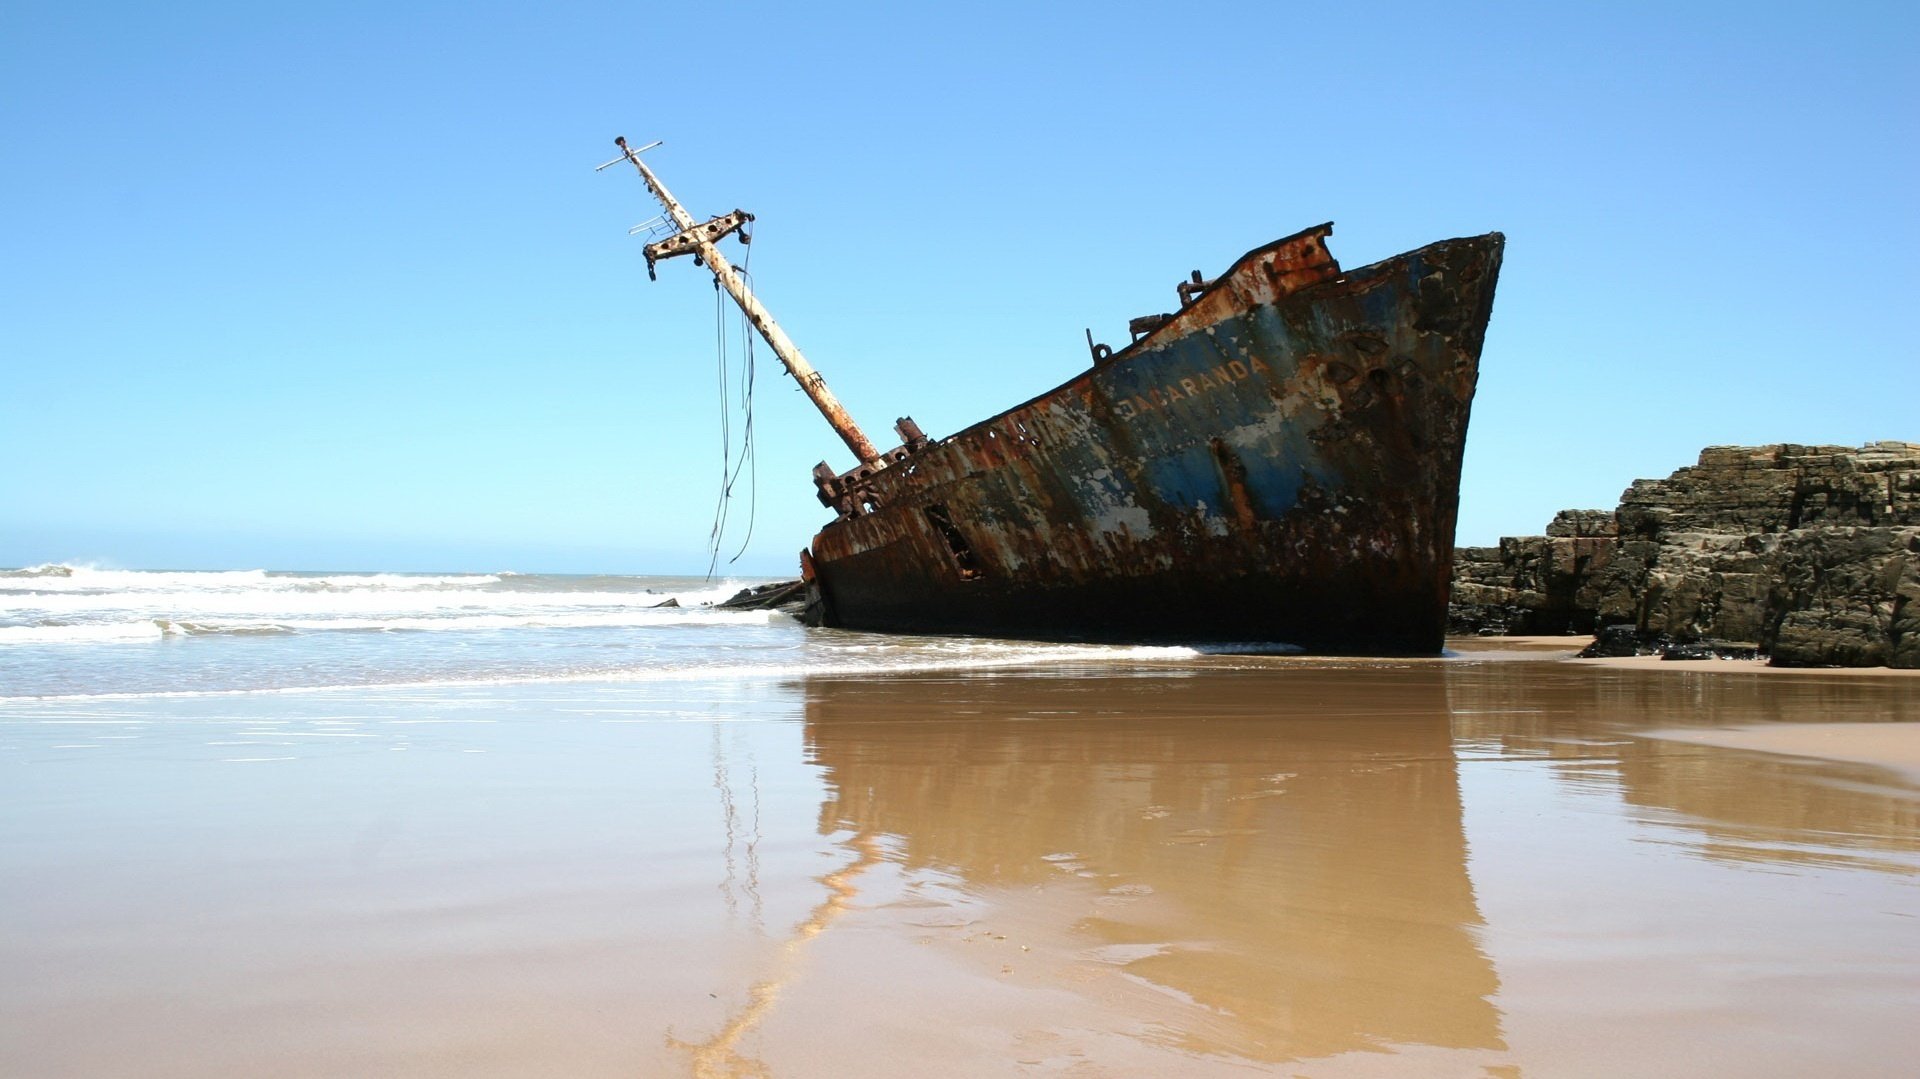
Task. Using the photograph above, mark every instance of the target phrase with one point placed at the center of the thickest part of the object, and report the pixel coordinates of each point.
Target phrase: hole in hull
(964, 558)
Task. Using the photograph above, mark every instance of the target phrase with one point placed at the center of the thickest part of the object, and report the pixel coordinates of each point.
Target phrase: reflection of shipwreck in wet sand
(720, 1056)
(1299, 872)
(1751, 808)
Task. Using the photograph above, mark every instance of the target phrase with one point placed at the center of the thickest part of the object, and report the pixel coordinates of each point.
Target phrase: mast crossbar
(694, 239)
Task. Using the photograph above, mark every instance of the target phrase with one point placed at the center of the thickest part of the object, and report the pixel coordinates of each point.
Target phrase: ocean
(83, 631)
(498, 824)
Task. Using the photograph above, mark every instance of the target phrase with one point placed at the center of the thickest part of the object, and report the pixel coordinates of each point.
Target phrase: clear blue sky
(335, 286)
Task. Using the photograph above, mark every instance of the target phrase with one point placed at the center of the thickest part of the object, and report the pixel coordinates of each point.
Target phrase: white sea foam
(78, 632)
(59, 577)
(552, 620)
(44, 569)
(96, 633)
(154, 629)
(399, 582)
(1252, 648)
(955, 654)
(363, 603)
(57, 602)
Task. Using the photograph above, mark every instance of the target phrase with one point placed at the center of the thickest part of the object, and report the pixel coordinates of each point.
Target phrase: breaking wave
(140, 630)
(60, 589)
(61, 577)
(154, 629)
(961, 656)
(65, 604)
(70, 631)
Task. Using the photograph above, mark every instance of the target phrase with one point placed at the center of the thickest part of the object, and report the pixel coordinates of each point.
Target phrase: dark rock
(1811, 552)
(1692, 650)
(669, 603)
(1532, 584)
(1613, 642)
(1583, 524)
(789, 596)
(1734, 649)
(1846, 597)
(1904, 626)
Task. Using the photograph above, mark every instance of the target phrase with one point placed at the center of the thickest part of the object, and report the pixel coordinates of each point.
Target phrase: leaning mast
(698, 240)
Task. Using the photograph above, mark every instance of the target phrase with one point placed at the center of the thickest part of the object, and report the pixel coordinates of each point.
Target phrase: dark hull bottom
(1353, 614)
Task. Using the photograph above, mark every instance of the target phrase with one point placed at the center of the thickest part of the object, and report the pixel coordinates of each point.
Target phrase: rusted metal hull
(1279, 462)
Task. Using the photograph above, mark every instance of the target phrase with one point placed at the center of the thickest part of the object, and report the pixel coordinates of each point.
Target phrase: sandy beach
(1571, 646)
(1746, 666)
(1219, 866)
(1894, 746)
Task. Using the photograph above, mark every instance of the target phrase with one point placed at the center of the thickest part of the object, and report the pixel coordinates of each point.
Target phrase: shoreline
(1893, 745)
(1572, 645)
(1743, 666)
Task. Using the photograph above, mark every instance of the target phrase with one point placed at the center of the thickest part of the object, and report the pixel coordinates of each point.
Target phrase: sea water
(323, 824)
(82, 631)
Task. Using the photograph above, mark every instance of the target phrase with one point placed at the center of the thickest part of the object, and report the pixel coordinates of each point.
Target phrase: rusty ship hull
(1278, 462)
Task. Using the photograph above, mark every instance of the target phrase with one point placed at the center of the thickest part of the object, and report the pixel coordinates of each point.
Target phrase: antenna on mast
(699, 241)
(621, 142)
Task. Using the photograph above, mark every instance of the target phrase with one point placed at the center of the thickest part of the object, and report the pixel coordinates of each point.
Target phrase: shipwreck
(1275, 462)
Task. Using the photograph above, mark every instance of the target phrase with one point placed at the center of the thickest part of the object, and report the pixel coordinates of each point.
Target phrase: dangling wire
(748, 460)
(730, 467)
(726, 432)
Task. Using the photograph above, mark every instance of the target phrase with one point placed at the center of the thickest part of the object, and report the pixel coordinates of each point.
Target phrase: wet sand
(1746, 666)
(1570, 647)
(1895, 746)
(1477, 866)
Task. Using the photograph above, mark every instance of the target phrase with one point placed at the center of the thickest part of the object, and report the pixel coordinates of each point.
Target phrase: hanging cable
(726, 432)
(748, 459)
(732, 467)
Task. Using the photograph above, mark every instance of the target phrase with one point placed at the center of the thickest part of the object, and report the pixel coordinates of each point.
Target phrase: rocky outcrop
(1810, 553)
(1534, 584)
(1849, 597)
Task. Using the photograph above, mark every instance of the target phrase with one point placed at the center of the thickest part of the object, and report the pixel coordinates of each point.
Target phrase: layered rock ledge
(1808, 554)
